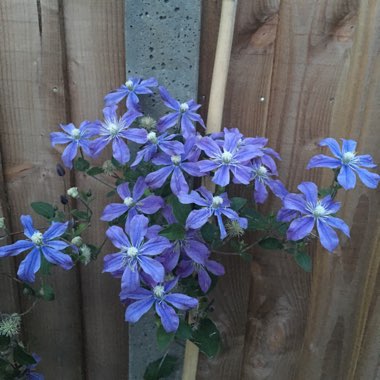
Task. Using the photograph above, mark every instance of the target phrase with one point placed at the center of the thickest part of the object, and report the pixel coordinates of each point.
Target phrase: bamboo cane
(214, 124)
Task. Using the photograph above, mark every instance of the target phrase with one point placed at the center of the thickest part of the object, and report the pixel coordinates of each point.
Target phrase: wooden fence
(300, 70)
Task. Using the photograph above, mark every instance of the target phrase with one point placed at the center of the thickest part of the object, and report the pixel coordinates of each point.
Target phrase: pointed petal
(371, 180)
(113, 211)
(204, 280)
(138, 229)
(300, 228)
(15, 248)
(29, 266)
(333, 146)
(310, 190)
(178, 182)
(168, 316)
(27, 222)
(57, 257)
(130, 279)
(157, 179)
(295, 202)
(137, 309)
(113, 262)
(346, 178)
(155, 246)
(55, 230)
(153, 268)
(348, 146)
(139, 188)
(69, 154)
(118, 237)
(327, 236)
(181, 301)
(222, 176)
(322, 161)
(197, 218)
(120, 150)
(339, 224)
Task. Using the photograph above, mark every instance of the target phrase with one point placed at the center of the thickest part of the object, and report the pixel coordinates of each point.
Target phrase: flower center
(319, 211)
(128, 201)
(132, 252)
(176, 159)
(37, 238)
(152, 137)
(226, 157)
(75, 133)
(129, 84)
(158, 291)
(348, 157)
(217, 201)
(184, 107)
(113, 129)
(262, 171)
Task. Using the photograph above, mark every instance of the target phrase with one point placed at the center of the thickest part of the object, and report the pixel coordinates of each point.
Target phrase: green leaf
(173, 232)
(22, 357)
(304, 261)
(180, 210)
(210, 232)
(80, 228)
(82, 215)
(163, 338)
(81, 164)
(45, 266)
(46, 292)
(271, 243)
(4, 342)
(256, 221)
(95, 171)
(161, 368)
(207, 338)
(184, 330)
(238, 203)
(44, 209)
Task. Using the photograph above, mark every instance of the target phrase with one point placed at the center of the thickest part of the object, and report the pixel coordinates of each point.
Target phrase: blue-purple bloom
(117, 129)
(163, 300)
(349, 163)
(133, 203)
(230, 157)
(135, 253)
(313, 211)
(39, 243)
(131, 88)
(262, 177)
(75, 138)
(30, 370)
(174, 165)
(184, 114)
(210, 205)
(187, 267)
(164, 142)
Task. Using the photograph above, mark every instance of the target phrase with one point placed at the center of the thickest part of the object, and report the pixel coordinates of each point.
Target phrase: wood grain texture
(94, 33)
(32, 103)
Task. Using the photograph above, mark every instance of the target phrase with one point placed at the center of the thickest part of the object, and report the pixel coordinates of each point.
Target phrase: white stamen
(319, 211)
(158, 291)
(348, 157)
(113, 129)
(217, 201)
(184, 107)
(152, 137)
(36, 238)
(132, 252)
(262, 171)
(226, 157)
(128, 201)
(129, 84)
(176, 159)
(75, 133)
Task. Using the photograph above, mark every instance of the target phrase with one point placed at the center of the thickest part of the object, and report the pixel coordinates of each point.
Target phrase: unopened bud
(2, 222)
(147, 122)
(234, 229)
(64, 200)
(77, 240)
(60, 170)
(108, 167)
(10, 325)
(85, 254)
(73, 192)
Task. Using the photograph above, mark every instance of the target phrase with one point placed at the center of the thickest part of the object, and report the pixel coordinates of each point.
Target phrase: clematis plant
(171, 213)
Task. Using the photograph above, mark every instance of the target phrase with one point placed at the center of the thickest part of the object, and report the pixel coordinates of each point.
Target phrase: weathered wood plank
(32, 102)
(94, 33)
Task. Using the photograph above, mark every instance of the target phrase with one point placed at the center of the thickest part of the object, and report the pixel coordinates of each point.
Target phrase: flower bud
(64, 200)
(60, 170)
(73, 192)
(85, 254)
(147, 122)
(77, 240)
(108, 167)
(234, 229)
(10, 325)
(2, 222)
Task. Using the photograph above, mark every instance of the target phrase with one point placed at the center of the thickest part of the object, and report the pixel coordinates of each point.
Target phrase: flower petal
(138, 229)
(137, 309)
(204, 280)
(123, 190)
(222, 176)
(120, 150)
(55, 230)
(157, 179)
(168, 316)
(310, 190)
(150, 204)
(57, 257)
(113, 262)
(346, 178)
(339, 224)
(333, 146)
(178, 182)
(210, 147)
(181, 301)
(300, 228)
(117, 236)
(139, 188)
(371, 180)
(348, 146)
(295, 202)
(113, 211)
(155, 246)
(15, 248)
(69, 154)
(29, 266)
(327, 236)
(27, 222)
(153, 268)
(130, 279)
(197, 218)
(322, 161)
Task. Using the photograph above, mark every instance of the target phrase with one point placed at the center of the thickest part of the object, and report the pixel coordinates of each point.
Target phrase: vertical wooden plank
(345, 288)
(96, 64)
(246, 107)
(32, 102)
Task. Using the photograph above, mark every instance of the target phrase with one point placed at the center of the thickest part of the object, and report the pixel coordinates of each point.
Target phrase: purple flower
(314, 211)
(161, 298)
(262, 177)
(349, 163)
(30, 370)
(163, 142)
(184, 114)
(77, 138)
(229, 158)
(116, 130)
(135, 253)
(131, 88)
(132, 202)
(218, 206)
(174, 165)
(187, 267)
(44, 243)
